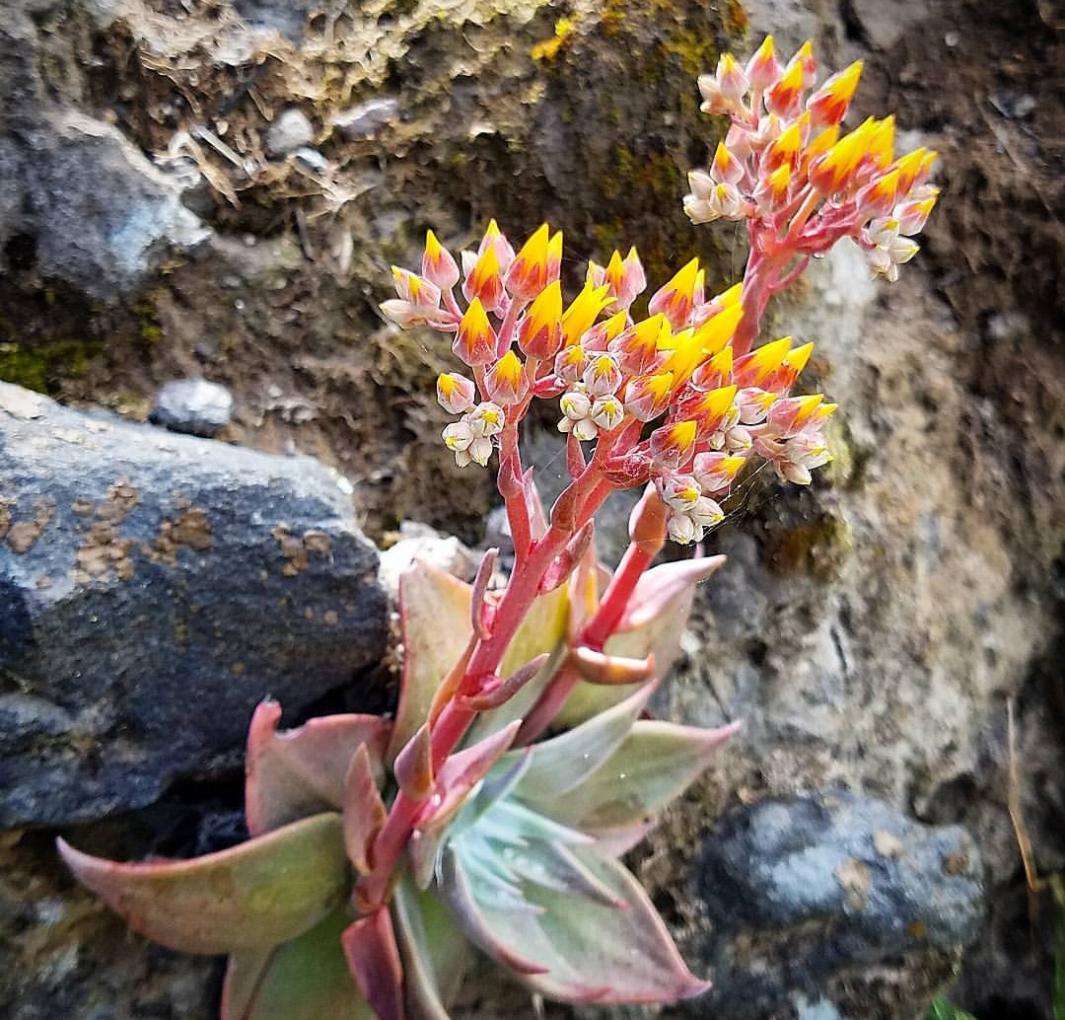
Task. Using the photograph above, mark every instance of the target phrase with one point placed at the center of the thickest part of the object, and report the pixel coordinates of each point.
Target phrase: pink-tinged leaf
(582, 950)
(558, 765)
(462, 772)
(652, 625)
(655, 763)
(296, 773)
(305, 979)
(502, 691)
(660, 585)
(413, 767)
(485, 570)
(364, 812)
(434, 950)
(258, 894)
(434, 610)
(457, 890)
(373, 959)
(542, 630)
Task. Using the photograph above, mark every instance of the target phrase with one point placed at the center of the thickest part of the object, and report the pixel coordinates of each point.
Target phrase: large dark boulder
(153, 588)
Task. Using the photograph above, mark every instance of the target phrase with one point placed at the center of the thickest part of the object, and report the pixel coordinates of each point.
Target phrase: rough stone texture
(195, 407)
(869, 630)
(153, 588)
(816, 898)
(97, 213)
(290, 131)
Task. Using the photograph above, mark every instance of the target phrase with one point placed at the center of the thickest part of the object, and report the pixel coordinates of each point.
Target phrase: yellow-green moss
(817, 548)
(42, 367)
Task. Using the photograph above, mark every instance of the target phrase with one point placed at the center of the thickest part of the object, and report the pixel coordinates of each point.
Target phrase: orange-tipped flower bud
(715, 472)
(672, 445)
(785, 97)
(495, 238)
(506, 382)
(715, 372)
(763, 69)
(913, 214)
(914, 168)
(475, 341)
(829, 104)
(878, 197)
(438, 264)
(540, 333)
(709, 409)
(421, 293)
(731, 80)
(637, 348)
(676, 299)
(536, 265)
(804, 57)
(726, 167)
(485, 282)
(648, 396)
(784, 150)
(754, 368)
(582, 313)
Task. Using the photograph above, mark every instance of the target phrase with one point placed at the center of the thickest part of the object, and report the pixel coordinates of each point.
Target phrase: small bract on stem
(382, 849)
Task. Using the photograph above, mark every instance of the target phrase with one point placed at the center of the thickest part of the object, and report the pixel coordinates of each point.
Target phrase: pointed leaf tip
(295, 773)
(263, 892)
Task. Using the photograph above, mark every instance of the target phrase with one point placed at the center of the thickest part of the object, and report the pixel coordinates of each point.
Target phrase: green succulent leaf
(435, 952)
(435, 620)
(256, 895)
(606, 946)
(654, 763)
(557, 765)
(664, 597)
(434, 612)
(660, 637)
(301, 772)
(305, 979)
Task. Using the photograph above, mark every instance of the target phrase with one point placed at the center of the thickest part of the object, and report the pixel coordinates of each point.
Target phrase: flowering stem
(454, 720)
(636, 560)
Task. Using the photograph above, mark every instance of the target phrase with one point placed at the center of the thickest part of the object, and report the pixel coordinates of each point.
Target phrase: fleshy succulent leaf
(653, 764)
(263, 892)
(364, 811)
(435, 952)
(458, 891)
(561, 763)
(301, 772)
(434, 609)
(305, 979)
(463, 771)
(653, 625)
(435, 619)
(609, 947)
(373, 959)
(413, 767)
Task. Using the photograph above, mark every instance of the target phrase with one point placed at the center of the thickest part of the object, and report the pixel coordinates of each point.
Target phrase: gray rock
(285, 16)
(193, 406)
(365, 119)
(811, 896)
(100, 211)
(153, 588)
(290, 131)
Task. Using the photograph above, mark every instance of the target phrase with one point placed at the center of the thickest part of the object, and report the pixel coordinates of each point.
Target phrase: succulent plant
(383, 851)
(517, 852)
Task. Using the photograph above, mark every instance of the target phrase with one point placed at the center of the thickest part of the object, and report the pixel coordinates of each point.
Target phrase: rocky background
(214, 189)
